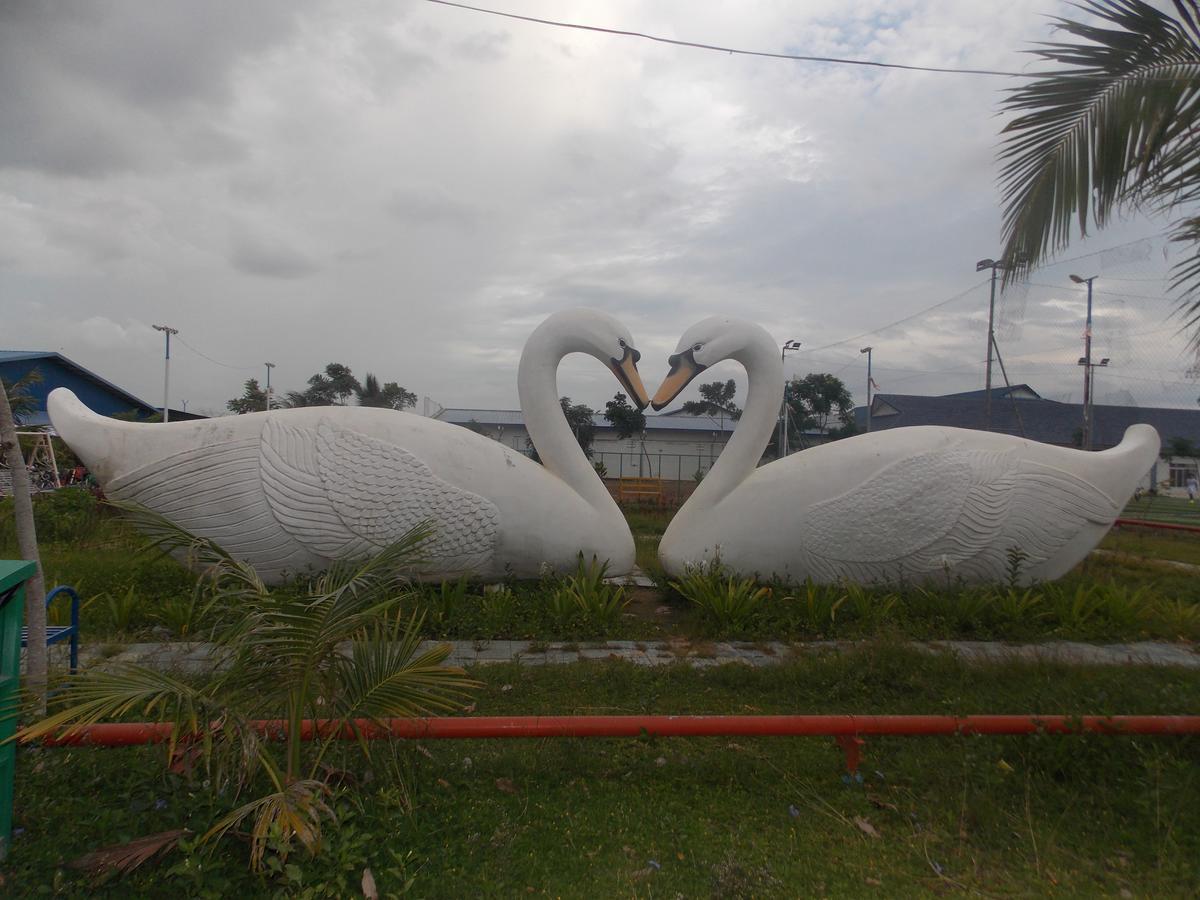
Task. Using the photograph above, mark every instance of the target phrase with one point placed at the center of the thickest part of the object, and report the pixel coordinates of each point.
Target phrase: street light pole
(167, 331)
(991, 336)
(270, 366)
(867, 350)
(1087, 363)
(783, 420)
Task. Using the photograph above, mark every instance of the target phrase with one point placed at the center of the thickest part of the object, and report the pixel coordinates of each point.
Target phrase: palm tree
(339, 651)
(35, 589)
(1114, 128)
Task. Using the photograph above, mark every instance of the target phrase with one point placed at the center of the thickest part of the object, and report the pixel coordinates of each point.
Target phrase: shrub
(586, 599)
(723, 599)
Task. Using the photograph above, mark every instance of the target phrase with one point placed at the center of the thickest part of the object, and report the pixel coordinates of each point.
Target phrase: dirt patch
(649, 605)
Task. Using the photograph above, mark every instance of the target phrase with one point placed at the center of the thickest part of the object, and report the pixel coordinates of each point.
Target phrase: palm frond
(128, 856)
(1112, 127)
(387, 676)
(294, 813)
(226, 574)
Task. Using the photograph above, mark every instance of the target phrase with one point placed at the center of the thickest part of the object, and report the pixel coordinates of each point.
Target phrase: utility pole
(167, 331)
(783, 420)
(994, 265)
(867, 350)
(1086, 362)
(270, 366)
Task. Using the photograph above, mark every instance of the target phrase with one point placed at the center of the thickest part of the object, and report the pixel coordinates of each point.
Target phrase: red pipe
(1165, 526)
(129, 734)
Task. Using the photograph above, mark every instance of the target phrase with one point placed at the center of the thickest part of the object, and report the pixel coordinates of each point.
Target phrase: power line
(210, 359)
(909, 318)
(730, 50)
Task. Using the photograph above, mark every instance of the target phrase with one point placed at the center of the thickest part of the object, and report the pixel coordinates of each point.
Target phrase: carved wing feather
(213, 491)
(954, 510)
(342, 493)
(910, 505)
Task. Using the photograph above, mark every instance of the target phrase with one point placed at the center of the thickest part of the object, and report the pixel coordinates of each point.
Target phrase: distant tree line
(333, 387)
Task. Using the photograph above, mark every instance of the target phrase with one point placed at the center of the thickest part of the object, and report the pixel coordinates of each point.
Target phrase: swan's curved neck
(537, 386)
(741, 455)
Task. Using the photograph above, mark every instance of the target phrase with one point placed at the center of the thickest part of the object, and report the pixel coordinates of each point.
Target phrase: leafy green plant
(443, 603)
(1076, 608)
(118, 608)
(869, 608)
(284, 655)
(586, 597)
(816, 606)
(1019, 608)
(725, 600)
(1015, 563)
(184, 614)
(1177, 618)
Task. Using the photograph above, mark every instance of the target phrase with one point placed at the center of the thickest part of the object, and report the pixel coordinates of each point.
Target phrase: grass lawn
(692, 817)
(1161, 508)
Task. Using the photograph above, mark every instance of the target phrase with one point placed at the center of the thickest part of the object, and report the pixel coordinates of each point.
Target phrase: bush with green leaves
(338, 650)
(724, 600)
(584, 599)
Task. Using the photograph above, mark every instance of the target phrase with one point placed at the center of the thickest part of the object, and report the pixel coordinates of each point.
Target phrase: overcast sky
(409, 189)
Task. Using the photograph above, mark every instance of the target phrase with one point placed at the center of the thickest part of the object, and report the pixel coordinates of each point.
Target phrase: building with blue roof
(56, 370)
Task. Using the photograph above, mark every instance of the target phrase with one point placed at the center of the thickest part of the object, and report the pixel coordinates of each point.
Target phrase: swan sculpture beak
(683, 369)
(626, 371)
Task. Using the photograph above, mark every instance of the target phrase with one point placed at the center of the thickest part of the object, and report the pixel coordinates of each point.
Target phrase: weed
(1178, 618)
(725, 600)
(586, 597)
(817, 607)
(869, 608)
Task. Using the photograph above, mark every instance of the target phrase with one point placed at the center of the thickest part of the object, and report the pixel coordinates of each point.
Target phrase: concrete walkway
(198, 657)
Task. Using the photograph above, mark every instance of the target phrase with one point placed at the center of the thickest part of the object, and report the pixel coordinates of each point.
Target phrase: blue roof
(100, 394)
(1041, 420)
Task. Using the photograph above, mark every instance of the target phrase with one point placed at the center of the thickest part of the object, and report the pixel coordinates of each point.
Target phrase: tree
(716, 400)
(331, 388)
(628, 420)
(337, 648)
(20, 400)
(580, 419)
(35, 589)
(816, 397)
(1113, 127)
(390, 396)
(1181, 446)
(254, 399)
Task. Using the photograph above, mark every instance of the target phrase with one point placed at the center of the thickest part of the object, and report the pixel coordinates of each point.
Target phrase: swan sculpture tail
(1130, 460)
(92, 437)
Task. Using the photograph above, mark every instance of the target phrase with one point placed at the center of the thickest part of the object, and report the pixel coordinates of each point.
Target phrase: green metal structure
(13, 575)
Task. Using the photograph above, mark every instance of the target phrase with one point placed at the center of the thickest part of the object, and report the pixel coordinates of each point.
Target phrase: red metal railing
(847, 729)
(1165, 526)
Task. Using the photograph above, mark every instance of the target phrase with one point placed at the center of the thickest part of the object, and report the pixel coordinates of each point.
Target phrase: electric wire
(211, 360)
(733, 51)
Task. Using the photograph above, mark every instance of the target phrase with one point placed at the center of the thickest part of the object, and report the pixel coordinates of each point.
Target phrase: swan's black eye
(621, 341)
(696, 348)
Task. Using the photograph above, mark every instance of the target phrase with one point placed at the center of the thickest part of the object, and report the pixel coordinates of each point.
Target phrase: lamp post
(1086, 362)
(1089, 374)
(867, 350)
(783, 419)
(269, 366)
(167, 331)
(994, 265)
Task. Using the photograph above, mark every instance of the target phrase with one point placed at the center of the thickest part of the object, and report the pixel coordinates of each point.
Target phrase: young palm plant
(1112, 126)
(339, 650)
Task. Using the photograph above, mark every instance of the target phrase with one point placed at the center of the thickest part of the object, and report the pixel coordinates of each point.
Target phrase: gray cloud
(414, 188)
(256, 254)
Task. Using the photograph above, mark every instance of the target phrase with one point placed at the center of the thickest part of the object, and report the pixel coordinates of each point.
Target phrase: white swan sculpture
(291, 490)
(904, 504)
